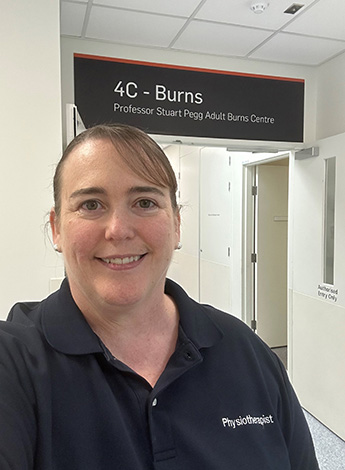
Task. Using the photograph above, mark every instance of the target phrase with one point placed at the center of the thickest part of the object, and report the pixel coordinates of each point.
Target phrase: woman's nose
(119, 226)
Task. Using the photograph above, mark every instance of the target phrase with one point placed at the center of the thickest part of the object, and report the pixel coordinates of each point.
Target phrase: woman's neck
(142, 338)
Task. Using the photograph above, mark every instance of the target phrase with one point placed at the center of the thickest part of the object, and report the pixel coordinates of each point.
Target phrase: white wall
(318, 324)
(30, 145)
(331, 98)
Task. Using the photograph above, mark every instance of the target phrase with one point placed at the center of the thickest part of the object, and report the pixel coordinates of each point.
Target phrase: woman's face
(116, 230)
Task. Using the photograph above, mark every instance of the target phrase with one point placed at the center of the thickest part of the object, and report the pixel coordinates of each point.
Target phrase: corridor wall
(330, 98)
(30, 126)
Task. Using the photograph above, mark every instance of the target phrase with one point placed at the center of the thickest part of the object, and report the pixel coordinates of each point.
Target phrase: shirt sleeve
(17, 405)
(295, 428)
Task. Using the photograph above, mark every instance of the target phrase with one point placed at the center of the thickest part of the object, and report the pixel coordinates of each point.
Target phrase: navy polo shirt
(223, 402)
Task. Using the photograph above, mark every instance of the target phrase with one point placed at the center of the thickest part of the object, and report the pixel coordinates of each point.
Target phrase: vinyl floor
(329, 448)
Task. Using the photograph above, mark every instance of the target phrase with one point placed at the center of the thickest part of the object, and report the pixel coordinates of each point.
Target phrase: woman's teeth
(129, 259)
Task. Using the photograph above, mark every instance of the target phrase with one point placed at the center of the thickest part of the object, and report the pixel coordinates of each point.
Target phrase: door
(184, 268)
(271, 259)
(215, 227)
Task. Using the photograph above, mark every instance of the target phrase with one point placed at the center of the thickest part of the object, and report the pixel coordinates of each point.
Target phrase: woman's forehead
(91, 149)
(94, 156)
(94, 164)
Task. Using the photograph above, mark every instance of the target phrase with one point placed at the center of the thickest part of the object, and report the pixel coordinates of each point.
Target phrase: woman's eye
(91, 205)
(146, 204)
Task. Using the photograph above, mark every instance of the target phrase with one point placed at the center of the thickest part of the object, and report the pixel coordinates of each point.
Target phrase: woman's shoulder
(20, 332)
(239, 337)
(25, 319)
(228, 322)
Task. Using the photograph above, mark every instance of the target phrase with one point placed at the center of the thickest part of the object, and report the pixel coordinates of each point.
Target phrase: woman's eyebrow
(87, 192)
(146, 189)
(96, 190)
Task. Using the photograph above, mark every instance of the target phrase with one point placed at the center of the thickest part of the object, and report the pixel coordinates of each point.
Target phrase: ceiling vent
(294, 8)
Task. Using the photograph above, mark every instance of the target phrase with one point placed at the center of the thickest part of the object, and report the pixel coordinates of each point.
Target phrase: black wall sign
(182, 101)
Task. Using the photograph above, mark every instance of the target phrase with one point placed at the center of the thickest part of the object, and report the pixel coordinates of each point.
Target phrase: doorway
(266, 247)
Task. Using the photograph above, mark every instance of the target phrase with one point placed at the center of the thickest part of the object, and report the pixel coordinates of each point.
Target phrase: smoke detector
(259, 7)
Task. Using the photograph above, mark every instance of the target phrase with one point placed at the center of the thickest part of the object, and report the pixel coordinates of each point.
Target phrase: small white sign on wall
(328, 292)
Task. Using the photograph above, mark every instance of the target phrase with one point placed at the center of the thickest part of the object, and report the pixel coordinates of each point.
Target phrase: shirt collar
(67, 331)
(65, 327)
(196, 323)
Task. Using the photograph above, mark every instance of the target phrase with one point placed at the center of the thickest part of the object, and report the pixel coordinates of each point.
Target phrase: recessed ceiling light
(294, 8)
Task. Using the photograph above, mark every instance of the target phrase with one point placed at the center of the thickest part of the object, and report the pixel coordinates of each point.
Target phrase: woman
(120, 369)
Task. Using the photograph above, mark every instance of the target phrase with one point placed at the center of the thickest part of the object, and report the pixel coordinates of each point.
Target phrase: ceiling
(229, 28)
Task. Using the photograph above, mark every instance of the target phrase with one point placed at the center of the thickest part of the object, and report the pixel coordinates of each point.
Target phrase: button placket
(185, 357)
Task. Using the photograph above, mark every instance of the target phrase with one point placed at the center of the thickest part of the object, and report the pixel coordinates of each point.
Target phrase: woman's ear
(54, 225)
(178, 227)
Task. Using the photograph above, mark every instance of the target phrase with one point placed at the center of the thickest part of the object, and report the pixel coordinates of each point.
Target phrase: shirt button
(155, 401)
(188, 356)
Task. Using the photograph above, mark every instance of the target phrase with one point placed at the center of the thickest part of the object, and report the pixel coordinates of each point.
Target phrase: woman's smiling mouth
(122, 260)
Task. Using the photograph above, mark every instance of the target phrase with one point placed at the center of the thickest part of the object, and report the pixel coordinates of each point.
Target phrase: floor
(329, 448)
